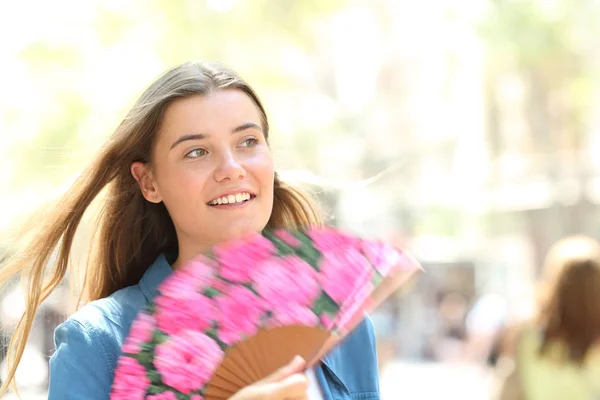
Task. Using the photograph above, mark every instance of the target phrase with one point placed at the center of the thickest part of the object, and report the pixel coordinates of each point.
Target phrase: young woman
(188, 167)
(557, 356)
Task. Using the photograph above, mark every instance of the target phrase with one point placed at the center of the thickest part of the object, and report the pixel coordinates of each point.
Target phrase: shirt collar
(154, 276)
(335, 382)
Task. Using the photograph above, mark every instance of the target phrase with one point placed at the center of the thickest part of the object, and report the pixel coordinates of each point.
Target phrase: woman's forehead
(208, 115)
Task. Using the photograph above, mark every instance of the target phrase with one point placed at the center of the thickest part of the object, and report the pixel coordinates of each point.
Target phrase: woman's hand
(287, 383)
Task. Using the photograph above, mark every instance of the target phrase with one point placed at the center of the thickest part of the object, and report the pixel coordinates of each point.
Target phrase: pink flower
(384, 257)
(130, 381)
(184, 310)
(186, 361)
(239, 256)
(198, 273)
(286, 280)
(294, 315)
(288, 238)
(344, 273)
(352, 313)
(197, 397)
(327, 239)
(168, 395)
(240, 312)
(220, 285)
(327, 321)
(140, 332)
(194, 276)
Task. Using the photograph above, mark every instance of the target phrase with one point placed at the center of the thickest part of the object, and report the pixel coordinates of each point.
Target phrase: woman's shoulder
(89, 343)
(104, 323)
(118, 309)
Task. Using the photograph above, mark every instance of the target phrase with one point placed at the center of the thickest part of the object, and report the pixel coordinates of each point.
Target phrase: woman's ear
(143, 176)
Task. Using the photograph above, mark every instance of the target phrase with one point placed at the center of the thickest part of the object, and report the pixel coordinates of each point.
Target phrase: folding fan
(232, 317)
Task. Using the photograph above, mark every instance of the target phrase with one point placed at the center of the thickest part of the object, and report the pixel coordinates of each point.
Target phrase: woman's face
(212, 168)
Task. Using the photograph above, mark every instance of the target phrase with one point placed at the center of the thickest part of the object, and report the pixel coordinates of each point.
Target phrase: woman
(558, 356)
(188, 167)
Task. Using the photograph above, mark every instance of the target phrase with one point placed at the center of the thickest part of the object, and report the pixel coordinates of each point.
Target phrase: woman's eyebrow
(247, 125)
(184, 138)
(200, 136)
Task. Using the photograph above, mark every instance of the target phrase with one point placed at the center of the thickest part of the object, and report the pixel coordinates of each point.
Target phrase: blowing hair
(131, 231)
(570, 312)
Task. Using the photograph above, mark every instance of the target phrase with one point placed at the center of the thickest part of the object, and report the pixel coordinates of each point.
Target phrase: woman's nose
(229, 168)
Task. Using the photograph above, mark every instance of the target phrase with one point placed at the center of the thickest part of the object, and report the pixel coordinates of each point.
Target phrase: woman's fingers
(296, 365)
(289, 388)
(287, 383)
(292, 387)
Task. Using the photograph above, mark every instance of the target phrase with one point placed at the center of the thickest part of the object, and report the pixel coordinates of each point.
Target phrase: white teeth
(230, 199)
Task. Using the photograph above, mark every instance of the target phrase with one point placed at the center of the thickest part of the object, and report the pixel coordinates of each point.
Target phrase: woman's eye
(250, 142)
(196, 153)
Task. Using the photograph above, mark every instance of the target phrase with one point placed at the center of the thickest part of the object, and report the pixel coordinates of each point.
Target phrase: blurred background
(464, 130)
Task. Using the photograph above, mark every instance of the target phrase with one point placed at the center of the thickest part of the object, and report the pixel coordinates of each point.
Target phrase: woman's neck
(188, 250)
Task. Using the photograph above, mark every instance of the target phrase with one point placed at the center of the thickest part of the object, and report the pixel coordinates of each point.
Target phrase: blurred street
(408, 380)
(421, 380)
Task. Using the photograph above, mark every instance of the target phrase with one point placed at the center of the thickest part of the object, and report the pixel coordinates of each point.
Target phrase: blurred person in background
(449, 346)
(198, 135)
(557, 354)
(485, 324)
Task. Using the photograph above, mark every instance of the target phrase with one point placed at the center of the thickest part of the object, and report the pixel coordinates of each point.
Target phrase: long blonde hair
(570, 309)
(132, 232)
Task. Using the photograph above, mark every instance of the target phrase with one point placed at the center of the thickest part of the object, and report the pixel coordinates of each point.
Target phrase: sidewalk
(404, 380)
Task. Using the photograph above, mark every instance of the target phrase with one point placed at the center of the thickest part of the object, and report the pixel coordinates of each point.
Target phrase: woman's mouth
(232, 199)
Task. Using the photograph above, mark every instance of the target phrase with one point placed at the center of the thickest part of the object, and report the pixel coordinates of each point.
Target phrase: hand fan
(232, 317)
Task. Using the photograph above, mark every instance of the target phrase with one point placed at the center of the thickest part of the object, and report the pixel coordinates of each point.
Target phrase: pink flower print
(220, 285)
(287, 238)
(130, 381)
(238, 257)
(197, 397)
(343, 273)
(287, 280)
(168, 395)
(294, 315)
(185, 310)
(198, 274)
(140, 332)
(327, 239)
(327, 321)
(354, 310)
(240, 314)
(176, 284)
(384, 257)
(186, 361)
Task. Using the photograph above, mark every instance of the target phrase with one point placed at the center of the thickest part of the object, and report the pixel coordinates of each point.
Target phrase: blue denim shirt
(89, 343)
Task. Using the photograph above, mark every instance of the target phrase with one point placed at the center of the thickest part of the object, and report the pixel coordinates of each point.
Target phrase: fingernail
(297, 360)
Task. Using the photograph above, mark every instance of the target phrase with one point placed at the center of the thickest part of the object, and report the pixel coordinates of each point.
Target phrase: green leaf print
(211, 293)
(159, 337)
(154, 377)
(325, 305)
